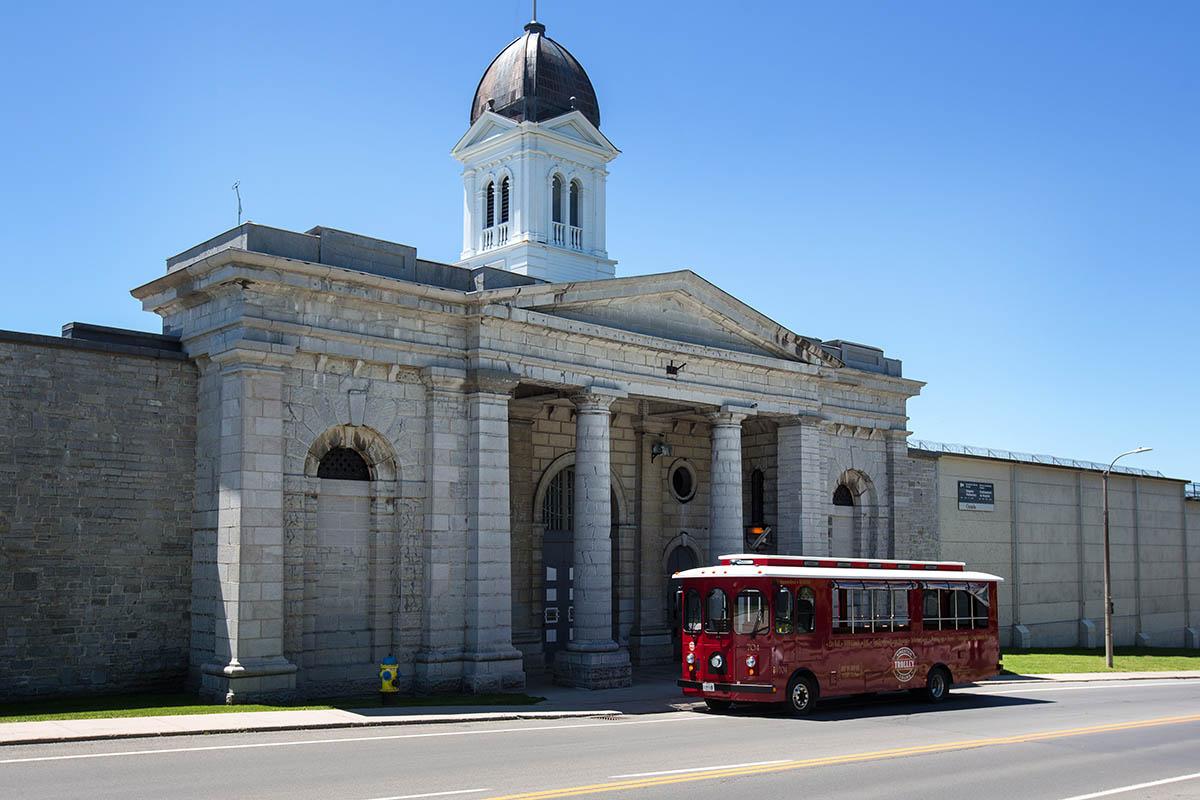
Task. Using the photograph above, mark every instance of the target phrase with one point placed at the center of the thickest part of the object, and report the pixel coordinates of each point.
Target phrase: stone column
(526, 633)
(592, 659)
(804, 499)
(726, 527)
(443, 615)
(491, 663)
(248, 661)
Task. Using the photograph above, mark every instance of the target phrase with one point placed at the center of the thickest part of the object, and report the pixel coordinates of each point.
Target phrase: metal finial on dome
(533, 25)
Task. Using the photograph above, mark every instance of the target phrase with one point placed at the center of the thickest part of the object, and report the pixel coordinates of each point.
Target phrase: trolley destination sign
(976, 496)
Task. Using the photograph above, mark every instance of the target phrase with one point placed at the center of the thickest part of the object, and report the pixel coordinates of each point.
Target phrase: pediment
(488, 126)
(678, 306)
(575, 126)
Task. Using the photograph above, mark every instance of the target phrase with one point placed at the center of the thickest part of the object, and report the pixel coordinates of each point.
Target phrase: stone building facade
(338, 451)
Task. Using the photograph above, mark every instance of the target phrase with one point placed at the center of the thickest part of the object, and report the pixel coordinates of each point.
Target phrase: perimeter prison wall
(97, 469)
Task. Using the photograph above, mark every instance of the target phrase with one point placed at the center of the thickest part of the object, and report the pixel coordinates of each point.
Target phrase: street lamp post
(1108, 604)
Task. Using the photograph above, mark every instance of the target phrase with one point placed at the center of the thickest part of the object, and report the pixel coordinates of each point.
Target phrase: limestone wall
(1045, 537)
(97, 470)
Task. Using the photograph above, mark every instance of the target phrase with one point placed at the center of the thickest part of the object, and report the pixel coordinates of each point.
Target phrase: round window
(683, 481)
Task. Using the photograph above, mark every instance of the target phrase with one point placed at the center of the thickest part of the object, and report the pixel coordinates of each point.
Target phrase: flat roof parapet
(351, 251)
(864, 357)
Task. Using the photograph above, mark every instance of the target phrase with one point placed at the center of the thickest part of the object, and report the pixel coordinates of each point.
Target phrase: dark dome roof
(535, 79)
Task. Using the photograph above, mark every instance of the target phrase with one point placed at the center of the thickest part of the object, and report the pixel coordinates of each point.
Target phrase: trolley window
(954, 606)
(750, 613)
(717, 618)
(871, 606)
(691, 611)
(783, 610)
(806, 604)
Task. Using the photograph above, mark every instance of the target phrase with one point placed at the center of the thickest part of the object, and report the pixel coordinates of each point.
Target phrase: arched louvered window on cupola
(556, 199)
(504, 200)
(576, 191)
(489, 205)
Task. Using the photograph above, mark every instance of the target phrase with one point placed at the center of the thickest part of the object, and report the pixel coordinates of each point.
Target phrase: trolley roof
(838, 561)
(752, 566)
(941, 576)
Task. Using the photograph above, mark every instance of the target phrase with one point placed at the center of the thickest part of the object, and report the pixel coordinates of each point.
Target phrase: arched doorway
(680, 558)
(558, 519)
(841, 526)
(340, 588)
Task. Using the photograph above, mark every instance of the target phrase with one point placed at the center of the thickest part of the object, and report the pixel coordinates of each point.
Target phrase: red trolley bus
(791, 628)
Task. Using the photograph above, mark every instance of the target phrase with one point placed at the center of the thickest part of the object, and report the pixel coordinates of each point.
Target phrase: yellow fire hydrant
(389, 680)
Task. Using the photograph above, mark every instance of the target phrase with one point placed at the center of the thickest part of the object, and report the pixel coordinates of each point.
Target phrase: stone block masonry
(97, 469)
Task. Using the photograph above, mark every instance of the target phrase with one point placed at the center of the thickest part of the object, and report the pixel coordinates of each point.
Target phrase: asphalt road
(1030, 742)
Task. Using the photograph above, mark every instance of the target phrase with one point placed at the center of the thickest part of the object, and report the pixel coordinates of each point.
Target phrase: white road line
(304, 742)
(1134, 787)
(699, 769)
(431, 794)
(983, 690)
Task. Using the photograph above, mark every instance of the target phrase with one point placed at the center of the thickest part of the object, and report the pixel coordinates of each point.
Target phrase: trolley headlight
(717, 661)
(751, 662)
(691, 658)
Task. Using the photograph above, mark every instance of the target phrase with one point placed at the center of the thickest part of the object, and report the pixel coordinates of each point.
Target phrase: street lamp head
(1126, 453)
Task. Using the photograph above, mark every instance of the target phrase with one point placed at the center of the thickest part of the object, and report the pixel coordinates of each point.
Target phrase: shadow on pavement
(885, 705)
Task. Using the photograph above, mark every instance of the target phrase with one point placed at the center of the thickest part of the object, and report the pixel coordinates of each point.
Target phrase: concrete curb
(314, 726)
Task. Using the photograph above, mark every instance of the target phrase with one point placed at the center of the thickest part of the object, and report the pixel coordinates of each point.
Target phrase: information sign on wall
(976, 496)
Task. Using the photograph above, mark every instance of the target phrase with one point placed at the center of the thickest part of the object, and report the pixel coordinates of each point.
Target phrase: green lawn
(156, 705)
(1125, 659)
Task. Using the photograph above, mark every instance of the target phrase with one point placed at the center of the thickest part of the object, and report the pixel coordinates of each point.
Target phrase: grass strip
(157, 705)
(1125, 659)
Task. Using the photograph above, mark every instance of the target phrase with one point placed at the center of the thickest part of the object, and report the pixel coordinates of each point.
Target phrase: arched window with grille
(343, 464)
(504, 200)
(556, 199)
(489, 204)
(558, 506)
(576, 191)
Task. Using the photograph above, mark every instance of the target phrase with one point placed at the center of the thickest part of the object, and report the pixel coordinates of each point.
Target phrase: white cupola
(534, 166)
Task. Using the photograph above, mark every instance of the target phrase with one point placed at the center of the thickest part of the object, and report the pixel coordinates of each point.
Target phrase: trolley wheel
(717, 705)
(801, 695)
(937, 685)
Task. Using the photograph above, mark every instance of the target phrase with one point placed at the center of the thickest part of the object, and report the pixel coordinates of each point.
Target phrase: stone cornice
(249, 354)
(491, 381)
(444, 379)
(232, 265)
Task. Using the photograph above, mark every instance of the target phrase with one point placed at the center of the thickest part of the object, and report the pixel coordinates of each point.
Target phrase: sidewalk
(652, 692)
(1074, 677)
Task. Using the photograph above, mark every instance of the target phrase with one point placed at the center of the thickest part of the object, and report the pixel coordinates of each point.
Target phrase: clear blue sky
(1006, 196)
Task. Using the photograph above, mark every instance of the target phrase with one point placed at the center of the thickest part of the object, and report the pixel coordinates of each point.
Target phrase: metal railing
(1192, 491)
(568, 236)
(1026, 458)
(495, 236)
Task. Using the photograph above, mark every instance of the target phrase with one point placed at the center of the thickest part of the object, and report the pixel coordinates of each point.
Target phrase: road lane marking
(981, 690)
(306, 742)
(698, 769)
(734, 772)
(1134, 787)
(431, 794)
